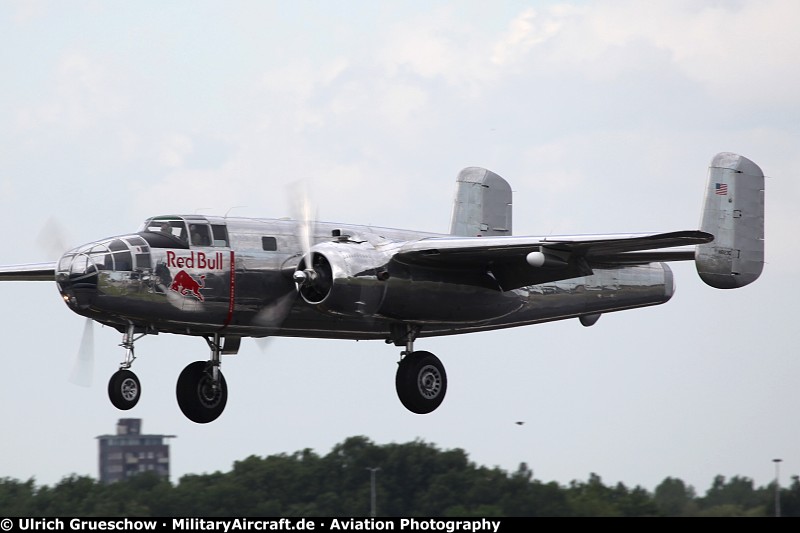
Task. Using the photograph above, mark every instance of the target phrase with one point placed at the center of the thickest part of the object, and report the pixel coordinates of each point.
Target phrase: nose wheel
(124, 389)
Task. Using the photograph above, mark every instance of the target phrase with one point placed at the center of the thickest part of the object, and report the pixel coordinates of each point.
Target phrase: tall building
(129, 452)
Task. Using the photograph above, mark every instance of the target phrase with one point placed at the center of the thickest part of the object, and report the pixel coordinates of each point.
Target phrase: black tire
(198, 399)
(421, 382)
(124, 389)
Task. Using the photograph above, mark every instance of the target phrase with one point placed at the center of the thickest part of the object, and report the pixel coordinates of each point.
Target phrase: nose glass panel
(121, 254)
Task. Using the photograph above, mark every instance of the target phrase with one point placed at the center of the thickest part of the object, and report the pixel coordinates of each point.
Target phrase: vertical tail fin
(733, 211)
(482, 204)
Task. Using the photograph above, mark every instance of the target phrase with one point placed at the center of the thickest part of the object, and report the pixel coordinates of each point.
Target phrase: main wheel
(421, 382)
(124, 389)
(200, 399)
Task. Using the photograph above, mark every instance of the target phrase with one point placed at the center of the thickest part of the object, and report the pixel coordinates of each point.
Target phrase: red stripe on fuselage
(232, 299)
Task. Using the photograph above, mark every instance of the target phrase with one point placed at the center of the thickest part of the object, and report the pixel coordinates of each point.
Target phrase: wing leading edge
(563, 257)
(28, 272)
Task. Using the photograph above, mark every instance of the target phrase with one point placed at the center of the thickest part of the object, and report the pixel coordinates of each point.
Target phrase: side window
(220, 234)
(269, 244)
(175, 228)
(122, 256)
(199, 235)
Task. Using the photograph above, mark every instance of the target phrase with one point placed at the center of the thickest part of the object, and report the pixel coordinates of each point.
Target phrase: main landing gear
(421, 381)
(201, 390)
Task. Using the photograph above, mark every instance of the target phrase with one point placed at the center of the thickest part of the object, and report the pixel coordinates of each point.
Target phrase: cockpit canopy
(181, 232)
(129, 253)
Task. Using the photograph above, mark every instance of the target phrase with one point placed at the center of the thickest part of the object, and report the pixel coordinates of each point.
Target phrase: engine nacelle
(350, 277)
(346, 277)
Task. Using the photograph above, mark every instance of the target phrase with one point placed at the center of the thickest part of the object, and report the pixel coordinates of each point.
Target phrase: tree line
(415, 479)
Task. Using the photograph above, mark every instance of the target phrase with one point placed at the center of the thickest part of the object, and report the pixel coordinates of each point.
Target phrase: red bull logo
(185, 284)
(195, 260)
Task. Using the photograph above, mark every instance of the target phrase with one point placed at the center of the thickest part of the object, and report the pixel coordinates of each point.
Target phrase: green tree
(415, 479)
(737, 497)
(790, 499)
(674, 498)
(592, 498)
(17, 498)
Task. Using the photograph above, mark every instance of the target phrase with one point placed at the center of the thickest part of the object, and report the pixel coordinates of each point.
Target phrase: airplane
(226, 278)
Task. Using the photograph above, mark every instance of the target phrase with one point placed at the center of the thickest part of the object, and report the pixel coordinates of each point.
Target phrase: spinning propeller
(54, 241)
(310, 277)
(83, 368)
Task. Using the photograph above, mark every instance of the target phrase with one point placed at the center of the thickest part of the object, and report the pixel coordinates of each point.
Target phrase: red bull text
(195, 260)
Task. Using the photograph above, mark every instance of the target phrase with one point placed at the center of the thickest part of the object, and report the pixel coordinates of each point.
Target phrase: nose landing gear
(124, 389)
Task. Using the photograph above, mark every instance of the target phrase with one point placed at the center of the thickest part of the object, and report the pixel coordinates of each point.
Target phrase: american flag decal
(721, 188)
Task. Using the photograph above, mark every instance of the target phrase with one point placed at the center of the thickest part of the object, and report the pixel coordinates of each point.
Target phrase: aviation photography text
(225, 525)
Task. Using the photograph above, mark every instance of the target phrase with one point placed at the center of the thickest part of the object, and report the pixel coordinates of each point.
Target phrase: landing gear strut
(201, 391)
(421, 381)
(124, 389)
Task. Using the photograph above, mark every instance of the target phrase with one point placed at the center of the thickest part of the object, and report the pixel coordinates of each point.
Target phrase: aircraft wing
(563, 257)
(28, 272)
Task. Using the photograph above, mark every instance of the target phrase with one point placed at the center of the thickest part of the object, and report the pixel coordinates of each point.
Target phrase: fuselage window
(100, 257)
(141, 252)
(220, 233)
(122, 256)
(269, 244)
(143, 261)
(123, 261)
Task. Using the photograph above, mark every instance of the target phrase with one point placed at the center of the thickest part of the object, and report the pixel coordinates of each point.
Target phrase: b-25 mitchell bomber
(225, 278)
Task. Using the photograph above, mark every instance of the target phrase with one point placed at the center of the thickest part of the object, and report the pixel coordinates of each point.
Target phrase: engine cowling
(344, 277)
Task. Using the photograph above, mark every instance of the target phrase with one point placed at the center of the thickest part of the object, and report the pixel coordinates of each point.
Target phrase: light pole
(777, 486)
(372, 490)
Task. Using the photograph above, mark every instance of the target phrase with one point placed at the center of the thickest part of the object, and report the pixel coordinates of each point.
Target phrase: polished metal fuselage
(228, 284)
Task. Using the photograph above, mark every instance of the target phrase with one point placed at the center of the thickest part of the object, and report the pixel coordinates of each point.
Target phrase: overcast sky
(603, 116)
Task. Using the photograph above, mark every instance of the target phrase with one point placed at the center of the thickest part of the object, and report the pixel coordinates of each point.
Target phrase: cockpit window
(171, 227)
(199, 234)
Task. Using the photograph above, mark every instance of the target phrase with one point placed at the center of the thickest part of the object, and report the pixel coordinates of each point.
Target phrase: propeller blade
(304, 220)
(52, 238)
(272, 315)
(263, 343)
(302, 214)
(83, 368)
